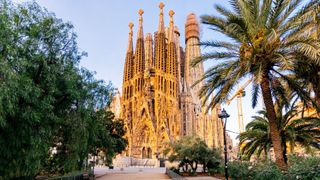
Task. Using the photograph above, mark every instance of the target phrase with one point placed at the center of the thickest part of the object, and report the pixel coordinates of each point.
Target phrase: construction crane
(239, 94)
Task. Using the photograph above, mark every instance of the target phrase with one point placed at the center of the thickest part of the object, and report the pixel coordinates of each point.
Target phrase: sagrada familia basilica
(158, 102)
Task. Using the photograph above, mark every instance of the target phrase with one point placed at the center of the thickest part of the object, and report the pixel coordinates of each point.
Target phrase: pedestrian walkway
(137, 173)
(131, 173)
(202, 178)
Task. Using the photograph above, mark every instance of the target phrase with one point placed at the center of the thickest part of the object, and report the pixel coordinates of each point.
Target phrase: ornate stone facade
(157, 102)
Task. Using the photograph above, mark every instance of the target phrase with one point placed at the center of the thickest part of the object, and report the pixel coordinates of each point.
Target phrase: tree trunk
(194, 166)
(317, 94)
(284, 149)
(185, 168)
(271, 115)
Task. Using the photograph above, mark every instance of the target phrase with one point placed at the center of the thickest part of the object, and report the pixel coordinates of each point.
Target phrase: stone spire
(128, 70)
(140, 29)
(171, 66)
(130, 44)
(192, 74)
(139, 58)
(160, 44)
(128, 66)
(171, 27)
(192, 27)
(149, 51)
(161, 22)
(139, 53)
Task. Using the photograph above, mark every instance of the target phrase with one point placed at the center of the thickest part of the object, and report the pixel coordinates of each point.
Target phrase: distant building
(157, 102)
(115, 105)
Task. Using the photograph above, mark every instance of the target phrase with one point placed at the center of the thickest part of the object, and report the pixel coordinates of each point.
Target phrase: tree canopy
(191, 151)
(265, 38)
(47, 101)
(294, 129)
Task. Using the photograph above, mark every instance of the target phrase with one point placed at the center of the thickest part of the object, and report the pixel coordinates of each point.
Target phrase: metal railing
(174, 175)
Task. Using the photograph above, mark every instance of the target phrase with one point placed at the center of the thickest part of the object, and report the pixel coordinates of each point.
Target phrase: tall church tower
(192, 37)
(158, 103)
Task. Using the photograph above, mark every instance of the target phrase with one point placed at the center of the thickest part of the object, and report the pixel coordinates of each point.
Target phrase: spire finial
(140, 31)
(131, 27)
(171, 13)
(161, 5)
(171, 27)
(161, 24)
(140, 12)
(130, 48)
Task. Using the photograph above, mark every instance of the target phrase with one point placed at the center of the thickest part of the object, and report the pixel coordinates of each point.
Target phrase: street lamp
(224, 115)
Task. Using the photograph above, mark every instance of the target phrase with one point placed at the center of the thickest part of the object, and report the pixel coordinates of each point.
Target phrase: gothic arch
(143, 153)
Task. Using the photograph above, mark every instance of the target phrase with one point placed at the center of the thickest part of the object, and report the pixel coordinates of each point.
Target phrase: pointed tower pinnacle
(140, 29)
(171, 27)
(171, 13)
(130, 46)
(161, 22)
(139, 60)
(128, 67)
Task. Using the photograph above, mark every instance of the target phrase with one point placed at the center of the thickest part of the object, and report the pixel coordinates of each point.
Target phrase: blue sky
(102, 28)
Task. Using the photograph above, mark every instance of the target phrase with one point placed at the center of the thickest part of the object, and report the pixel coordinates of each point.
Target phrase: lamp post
(224, 115)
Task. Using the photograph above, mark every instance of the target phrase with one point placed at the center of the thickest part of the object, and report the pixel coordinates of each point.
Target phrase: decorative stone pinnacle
(171, 13)
(140, 12)
(131, 26)
(161, 5)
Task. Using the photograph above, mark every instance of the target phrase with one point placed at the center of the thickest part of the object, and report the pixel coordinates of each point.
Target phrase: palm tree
(263, 35)
(305, 68)
(294, 130)
(256, 138)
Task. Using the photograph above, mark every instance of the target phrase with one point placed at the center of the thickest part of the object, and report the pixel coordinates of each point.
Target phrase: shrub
(304, 168)
(266, 170)
(213, 165)
(176, 170)
(211, 172)
(238, 169)
(192, 173)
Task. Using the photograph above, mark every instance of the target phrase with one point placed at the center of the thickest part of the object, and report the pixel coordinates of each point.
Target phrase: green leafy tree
(192, 151)
(294, 130)
(107, 135)
(264, 38)
(47, 102)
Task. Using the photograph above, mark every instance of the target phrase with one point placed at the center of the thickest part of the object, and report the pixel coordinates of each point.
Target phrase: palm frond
(279, 6)
(255, 94)
(213, 55)
(265, 11)
(220, 44)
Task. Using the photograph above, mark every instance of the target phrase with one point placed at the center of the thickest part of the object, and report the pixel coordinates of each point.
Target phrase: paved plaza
(137, 173)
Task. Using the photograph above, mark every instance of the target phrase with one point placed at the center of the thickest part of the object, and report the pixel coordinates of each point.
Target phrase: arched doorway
(143, 153)
(149, 153)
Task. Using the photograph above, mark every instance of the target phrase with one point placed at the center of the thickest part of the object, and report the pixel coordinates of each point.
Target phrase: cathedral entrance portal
(146, 153)
(149, 151)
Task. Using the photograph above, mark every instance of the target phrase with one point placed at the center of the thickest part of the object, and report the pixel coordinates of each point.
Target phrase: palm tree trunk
(271, 115)
(317, 94)
(284, 149)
